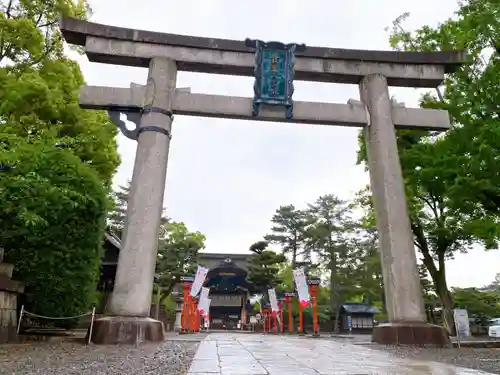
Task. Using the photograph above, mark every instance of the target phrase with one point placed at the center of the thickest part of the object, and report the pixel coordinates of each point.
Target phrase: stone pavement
(253, 354)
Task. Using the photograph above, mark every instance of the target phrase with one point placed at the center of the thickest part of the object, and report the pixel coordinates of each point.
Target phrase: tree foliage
(288, 231)
(39, 85)
(477, 303)
(177, 254)
(57, 161)
(52, 224)
(333, 245)
(264, 266)
(116, 217)
(29, 29)
(328, 234)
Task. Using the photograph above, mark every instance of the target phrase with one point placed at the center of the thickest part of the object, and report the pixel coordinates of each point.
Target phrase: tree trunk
(438, 276)
(447, 302)
(445, 297)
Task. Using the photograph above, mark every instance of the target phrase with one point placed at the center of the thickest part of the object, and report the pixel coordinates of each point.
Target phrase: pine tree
(288, 231)
(329, 234)
(264, 266)
(116, 218)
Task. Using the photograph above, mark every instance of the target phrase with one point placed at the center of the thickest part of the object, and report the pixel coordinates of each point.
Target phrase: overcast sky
(227, 177)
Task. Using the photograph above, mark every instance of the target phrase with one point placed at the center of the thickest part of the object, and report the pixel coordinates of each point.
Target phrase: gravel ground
(480, 359)
(170, 357)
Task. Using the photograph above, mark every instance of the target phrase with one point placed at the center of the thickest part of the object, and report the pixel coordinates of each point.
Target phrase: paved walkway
(252, 354)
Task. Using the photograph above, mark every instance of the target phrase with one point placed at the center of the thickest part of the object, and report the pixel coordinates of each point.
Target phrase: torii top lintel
(319, 63)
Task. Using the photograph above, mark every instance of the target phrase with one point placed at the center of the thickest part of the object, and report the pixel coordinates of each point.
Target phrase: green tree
(29, 31)
(264, 267)
(116, 217)
(330, 234)
(57, 161)
(426, 285)
(177, 254)
(39, 86)
(368, 272)
(452, 181)
(52, 221)
(287, 283)
(287, 231)
(477, 303)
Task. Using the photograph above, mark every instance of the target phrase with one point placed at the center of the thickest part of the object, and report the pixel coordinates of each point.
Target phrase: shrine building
(230, 290)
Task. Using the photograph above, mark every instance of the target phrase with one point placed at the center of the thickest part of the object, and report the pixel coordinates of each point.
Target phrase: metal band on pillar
(157, 129)
(135, 117)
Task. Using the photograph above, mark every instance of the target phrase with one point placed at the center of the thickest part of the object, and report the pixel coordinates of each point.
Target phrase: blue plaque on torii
(274, 73)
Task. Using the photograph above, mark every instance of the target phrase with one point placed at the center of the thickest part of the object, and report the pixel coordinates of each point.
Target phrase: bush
(52, 221)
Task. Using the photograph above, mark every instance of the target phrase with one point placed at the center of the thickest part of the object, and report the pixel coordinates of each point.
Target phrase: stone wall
(9, 291)
(8, 316)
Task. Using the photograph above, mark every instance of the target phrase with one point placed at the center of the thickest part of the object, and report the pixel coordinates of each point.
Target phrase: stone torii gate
(274, 66)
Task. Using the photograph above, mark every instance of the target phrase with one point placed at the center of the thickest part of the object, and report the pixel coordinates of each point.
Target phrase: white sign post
(462, 326)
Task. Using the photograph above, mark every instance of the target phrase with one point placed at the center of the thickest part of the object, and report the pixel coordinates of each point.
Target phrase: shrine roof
(76, 31)
(223, 256)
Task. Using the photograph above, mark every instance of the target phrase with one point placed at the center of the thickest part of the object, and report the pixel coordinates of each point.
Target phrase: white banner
(204, 293)
(199, 279)
(273, 299)
(202, 301)
(462, 322)
(301, 285)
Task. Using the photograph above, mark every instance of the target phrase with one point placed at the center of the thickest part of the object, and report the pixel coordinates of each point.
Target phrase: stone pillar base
(114, 330)
(416, 334)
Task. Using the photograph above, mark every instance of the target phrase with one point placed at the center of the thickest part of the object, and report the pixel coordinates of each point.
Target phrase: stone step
(6, 270)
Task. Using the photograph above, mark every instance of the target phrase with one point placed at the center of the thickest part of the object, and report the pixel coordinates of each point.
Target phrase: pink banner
(204, 307)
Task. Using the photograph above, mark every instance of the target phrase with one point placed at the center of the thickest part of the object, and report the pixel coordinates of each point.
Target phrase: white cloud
(225, 178)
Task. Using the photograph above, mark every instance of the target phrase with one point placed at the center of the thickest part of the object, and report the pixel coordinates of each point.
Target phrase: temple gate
(275, 66)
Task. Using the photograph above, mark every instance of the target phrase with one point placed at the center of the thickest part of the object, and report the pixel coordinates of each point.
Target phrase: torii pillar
(128, 319)
(407, 319)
